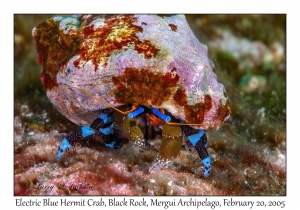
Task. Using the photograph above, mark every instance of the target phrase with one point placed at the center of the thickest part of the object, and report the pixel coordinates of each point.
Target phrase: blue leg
(106, 127)
(199, 141)
(73, 138)
(104, 124)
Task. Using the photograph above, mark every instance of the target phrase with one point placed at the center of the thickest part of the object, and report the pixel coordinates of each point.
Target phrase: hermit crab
(154, 66)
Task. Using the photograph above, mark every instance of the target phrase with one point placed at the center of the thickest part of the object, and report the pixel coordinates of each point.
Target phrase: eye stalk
(162, 116)
(136, 112)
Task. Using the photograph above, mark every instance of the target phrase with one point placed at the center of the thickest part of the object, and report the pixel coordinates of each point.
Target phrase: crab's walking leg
(104, 124)
(199, 141)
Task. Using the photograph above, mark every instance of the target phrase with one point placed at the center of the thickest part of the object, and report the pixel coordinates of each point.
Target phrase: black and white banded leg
(199, 141)
(103, 124)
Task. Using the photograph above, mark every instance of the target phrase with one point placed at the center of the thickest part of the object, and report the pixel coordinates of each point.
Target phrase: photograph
(149, 105)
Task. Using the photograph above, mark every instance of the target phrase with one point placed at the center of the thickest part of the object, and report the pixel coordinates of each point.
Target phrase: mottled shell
(146, 59)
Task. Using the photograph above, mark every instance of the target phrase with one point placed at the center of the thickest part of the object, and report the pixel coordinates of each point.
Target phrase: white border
(8, 8)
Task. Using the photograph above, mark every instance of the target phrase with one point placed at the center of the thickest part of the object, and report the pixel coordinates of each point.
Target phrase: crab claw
(132, 131)
(171, 142)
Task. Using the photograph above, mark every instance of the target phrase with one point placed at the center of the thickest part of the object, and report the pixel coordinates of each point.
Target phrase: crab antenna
(172, 123)
(105, 103)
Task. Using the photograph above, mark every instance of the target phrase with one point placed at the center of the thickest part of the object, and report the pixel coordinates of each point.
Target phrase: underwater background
(248, 152)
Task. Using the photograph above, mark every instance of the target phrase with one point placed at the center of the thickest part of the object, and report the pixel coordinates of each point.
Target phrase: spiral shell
(145, 59)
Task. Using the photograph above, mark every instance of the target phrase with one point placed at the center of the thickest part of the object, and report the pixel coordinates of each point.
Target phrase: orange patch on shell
(143, 87)
(193, 113)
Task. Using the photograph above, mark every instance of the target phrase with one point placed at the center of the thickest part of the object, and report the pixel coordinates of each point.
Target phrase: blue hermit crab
(150, 68)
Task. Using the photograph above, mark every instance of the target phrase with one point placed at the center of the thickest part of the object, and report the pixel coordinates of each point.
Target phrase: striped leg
(104, 124)
(106, 127)
(199, 141)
